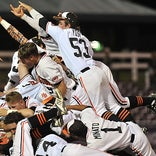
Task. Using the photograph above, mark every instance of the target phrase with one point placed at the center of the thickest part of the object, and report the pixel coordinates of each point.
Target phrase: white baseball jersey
(28, 87)
(108, 135)
(50, 145)
(22, 143)
(53, 145)
(3, 104)
(52, 72)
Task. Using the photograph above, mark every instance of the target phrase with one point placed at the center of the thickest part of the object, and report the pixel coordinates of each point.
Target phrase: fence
(133, 64)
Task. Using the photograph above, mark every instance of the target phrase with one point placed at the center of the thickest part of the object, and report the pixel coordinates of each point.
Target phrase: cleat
(58, 94)
(152, 95)
(59, 103)
(57, 122)
(152, 106)
(145, 130)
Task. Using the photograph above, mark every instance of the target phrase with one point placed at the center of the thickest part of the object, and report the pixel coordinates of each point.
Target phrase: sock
(124, 115)
(136, 101)
(41, 131)
(110, 116)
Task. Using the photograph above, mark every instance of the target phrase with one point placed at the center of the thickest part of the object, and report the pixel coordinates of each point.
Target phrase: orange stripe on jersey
(125, 116)
(41, 118)
(22, 140)
(120, 114)
(47, 100)
(36, 133)
(118, 96)
(83, 86)
(136, 151)
(65, 131)
(77, 100)
(139, 100)
(123, 113)
(107, 115)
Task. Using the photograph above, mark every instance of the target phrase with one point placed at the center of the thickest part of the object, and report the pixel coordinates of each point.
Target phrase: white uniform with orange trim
(108, 135)
(56, 146)
(50, 145)
(74, 48)
(122, 101)
(28, 87)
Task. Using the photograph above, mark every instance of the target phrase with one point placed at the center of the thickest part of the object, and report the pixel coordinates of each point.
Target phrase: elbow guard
(43, 22)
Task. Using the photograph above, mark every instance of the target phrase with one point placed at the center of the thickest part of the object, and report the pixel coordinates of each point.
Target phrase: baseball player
(111, 103)
(51, 46)
(57, 146)
(18, 36)
(108, 135)
(125, 102)
(52, 145)
(35, 14)
(76, 63)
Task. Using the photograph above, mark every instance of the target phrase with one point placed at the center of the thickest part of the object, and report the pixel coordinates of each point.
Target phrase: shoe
(152, 106)
(152, 95)
(57, 122)
(59, 103)
(144, 129)
(58, 94)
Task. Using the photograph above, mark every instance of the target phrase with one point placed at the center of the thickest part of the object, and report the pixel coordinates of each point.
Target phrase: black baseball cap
(71, 17)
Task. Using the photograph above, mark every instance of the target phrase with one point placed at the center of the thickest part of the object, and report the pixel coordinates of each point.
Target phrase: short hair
(39, 42)
(78, 129)
(28, 49)
(13, 117)
(13, 96)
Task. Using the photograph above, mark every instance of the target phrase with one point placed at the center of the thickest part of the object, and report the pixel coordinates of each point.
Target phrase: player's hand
(1, 58)
(25, 6)
(3, 112)
(0, 22)
(17, 11)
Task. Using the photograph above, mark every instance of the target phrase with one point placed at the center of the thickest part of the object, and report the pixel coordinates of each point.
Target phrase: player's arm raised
(14, 33)
(30, 20)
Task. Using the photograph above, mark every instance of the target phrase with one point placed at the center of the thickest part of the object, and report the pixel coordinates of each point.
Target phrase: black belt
(74, 88)
(132, 138)
(85, 69)
(63, 149)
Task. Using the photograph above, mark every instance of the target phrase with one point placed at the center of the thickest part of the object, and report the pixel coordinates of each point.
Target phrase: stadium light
(97, 46)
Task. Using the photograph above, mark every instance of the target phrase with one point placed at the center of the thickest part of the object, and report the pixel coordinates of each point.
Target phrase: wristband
(5, 24)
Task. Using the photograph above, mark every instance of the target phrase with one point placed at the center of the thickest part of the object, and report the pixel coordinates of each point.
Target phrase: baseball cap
(71, 17)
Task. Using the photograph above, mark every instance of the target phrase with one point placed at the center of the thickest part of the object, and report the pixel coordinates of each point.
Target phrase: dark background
(117, 32)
